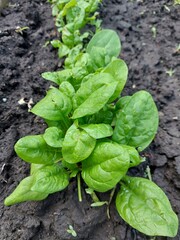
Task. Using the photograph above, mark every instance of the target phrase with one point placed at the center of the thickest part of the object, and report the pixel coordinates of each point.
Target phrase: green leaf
(137, 122)
(50, 179)
(67, 89)
(35, 168)
(34, 149)
(135, 158)
(122, 102)
(144, 206)
(58, 76)
(98, 130)
(53, 137)
(107, 39)
(99, 57)
(104, 168)
(24, 193)
(119, 70)
(55, 106)
(77, 145)
(89, 98)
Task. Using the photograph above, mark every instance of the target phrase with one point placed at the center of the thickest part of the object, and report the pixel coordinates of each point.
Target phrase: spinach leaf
(34, 149)
(135, 159)
(55, 106)
(119, 70)
(53, 137)
(104, 168)
(67, 89)
(58, 76)
(137, 122)
(50, 179)
(106, 39)
(77, 145)
(24, 193)
(98, 130)
(89, 98)
(144, 206)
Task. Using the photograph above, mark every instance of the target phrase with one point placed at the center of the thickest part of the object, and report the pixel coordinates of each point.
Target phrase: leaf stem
(110, 200)
(79, 187)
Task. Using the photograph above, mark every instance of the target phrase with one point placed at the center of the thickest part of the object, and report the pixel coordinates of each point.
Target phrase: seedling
(154, 31)
(21, 29)
(95, 134)
(176, 2)
(177, 49)
(72, 231)
(170, 72)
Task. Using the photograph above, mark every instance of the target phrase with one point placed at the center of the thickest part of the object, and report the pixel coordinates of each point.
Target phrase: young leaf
(98, 130)
(106, 39)
(89, 98)
(119, 70)
(55, 106)
(77, 145)
(137, 122)
(24, 193)
(53, 137)
(67, 89)
(34, 149)
(50, 179)
(104, 168)
(57, 77)
(135, 159)
(144, 206)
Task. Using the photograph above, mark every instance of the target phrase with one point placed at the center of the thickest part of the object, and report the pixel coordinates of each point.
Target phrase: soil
(24, 57)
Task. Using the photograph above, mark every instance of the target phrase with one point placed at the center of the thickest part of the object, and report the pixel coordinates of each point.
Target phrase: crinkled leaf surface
(137, 122)
(104, 168)
(53, 137)
(98, 130)
(144, 206)
(50, 179)
(77, 145)
(93, 94)
(54, 106)
(119, 70)
(67, 89)
(24, 193)
(107, 39)
(34, 149)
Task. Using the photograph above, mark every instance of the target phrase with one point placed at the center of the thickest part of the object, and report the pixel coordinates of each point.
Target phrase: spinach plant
(95, 134)
(72, 18)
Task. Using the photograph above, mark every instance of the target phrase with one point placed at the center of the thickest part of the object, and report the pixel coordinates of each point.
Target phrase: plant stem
(79, 187)
(94, 197)
(110, 200)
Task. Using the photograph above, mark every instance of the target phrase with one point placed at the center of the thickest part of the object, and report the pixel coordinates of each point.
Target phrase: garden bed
(149, 32)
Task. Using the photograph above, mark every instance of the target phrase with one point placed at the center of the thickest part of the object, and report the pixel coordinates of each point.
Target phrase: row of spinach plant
(92, 131)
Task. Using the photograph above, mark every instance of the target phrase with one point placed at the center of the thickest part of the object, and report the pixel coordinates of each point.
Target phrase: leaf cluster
(72, 18)
(94, 132)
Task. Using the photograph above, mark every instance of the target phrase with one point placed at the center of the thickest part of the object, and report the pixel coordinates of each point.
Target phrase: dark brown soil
(23, 57)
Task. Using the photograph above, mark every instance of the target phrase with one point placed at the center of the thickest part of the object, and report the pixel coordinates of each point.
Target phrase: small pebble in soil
(4, 100)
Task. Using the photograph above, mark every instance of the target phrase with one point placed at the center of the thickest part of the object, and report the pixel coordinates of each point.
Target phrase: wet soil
(150, 34)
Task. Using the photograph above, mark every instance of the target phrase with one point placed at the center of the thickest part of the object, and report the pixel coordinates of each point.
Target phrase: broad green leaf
(53, 137)
(135, 158)
(24, 193)
(58, 76)
(99, 57)
(137, 122)
(103, 116)
(119, 70)
(35, 167)
(89, 98)
(50, 179)
(67, 89)
(70, 4)
(98, 130)
(34, 149)
(55, 106)
(104, 168)
(107, 39)
(144, 206)
(77, 145)
(122, 102)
